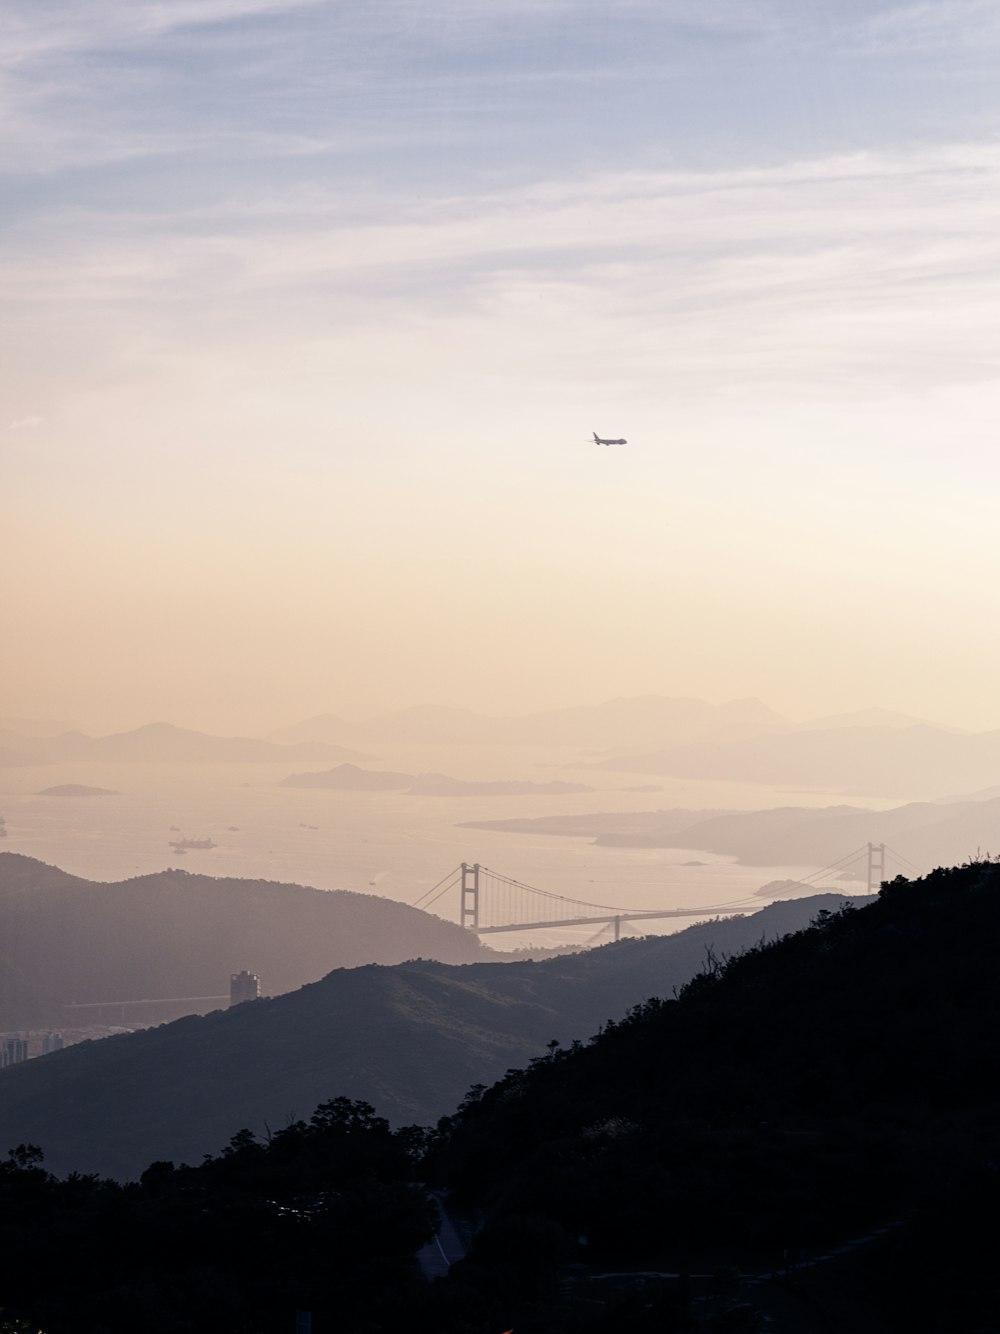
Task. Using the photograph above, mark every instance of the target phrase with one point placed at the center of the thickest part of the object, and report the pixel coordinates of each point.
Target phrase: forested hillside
(789, 1100)
(321, 1218)
(410, 1039)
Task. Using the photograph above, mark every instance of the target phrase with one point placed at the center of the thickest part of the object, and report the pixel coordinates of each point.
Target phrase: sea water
(390, 843)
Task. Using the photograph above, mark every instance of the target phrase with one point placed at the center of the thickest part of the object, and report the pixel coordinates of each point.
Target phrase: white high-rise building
(243, 986)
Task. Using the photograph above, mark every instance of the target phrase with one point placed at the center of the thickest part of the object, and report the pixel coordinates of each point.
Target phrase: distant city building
(13, 1052)
(52, 1042)
(243, 987)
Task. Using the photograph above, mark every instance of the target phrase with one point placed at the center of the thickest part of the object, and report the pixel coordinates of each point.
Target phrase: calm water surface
(386, 843)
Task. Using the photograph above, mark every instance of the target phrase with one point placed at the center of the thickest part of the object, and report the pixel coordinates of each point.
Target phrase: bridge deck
(614, 917)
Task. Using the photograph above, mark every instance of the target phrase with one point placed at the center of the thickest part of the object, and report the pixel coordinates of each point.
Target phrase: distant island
(351, 778)
(77, 790)
(632, 828)
(438, 785)
(922, 833)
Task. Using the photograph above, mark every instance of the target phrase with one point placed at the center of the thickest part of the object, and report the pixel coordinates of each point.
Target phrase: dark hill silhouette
(409, 1039)
(709, 1147)
(794, 1097)
(324, 1217)
(67, 940)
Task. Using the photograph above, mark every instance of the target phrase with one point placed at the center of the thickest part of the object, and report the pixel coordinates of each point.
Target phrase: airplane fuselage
(599, 441)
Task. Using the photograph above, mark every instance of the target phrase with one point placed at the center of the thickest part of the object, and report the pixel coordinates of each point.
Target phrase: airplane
(599, 441)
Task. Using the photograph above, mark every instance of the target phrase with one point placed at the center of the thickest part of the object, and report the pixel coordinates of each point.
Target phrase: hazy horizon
(264, 724)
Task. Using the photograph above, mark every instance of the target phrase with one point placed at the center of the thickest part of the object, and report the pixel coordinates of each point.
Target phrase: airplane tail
(596, 441)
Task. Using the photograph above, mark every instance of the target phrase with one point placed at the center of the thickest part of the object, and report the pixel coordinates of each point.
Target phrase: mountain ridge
(915, 762)
(409, 1038)
(175, 934)
(155, 743)
(819, 1113)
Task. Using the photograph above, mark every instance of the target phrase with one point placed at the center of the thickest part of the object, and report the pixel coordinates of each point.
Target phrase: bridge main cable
(443, 885)
(585, 903)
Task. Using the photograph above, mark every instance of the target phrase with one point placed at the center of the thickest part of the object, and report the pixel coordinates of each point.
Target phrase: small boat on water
(184, 844)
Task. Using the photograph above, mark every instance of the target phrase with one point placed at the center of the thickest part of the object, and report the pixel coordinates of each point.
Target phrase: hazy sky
(309, 310)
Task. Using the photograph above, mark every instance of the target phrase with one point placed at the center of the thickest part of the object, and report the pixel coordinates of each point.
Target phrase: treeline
(322, 1216)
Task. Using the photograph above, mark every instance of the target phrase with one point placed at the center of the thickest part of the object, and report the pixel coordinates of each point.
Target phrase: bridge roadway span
(620, 917)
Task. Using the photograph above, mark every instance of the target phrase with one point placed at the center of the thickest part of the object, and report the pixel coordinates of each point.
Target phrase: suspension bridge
(490, 902)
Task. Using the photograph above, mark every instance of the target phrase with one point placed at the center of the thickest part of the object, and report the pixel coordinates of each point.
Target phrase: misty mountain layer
(158, 743)
(410, 1039)
(925, 833)
(65, 940)
(887, 761)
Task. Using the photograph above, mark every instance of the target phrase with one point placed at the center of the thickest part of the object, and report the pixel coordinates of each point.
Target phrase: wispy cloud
(934, 25)
(93, 83)
(352, 221)
(868, 272)
(29, 31)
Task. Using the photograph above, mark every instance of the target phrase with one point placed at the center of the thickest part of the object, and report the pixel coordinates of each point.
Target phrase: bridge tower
(876, 866)
(470, 896)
